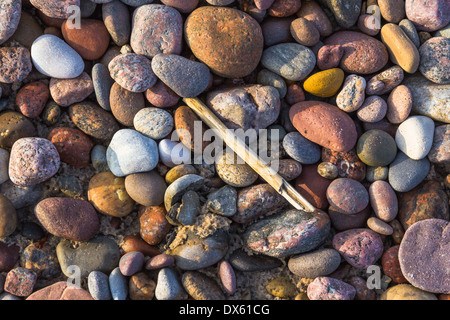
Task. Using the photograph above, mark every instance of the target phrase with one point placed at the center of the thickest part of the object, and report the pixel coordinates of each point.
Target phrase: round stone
(424, 255)
(15, 64)
(14, 126)
(154, 123)
(234, 171)
(406, 173)
(32, 98)
(153, 224)
(32, 161)
(305, 32)
(126, 142)
(284, 8)
(385, 81)
(315, 264)
(232, 52)
(324, 83)
(391, 10)
(301, 149)
(54, 58)
(131, 263)
(376, 148)
(342, 189)
(172, 153)
(373, 109)
(117, 21)
(414, 137)
(352, 94)
(161, 96)
(69, 91)
(434, 59)
(146, 188)
(312, 11)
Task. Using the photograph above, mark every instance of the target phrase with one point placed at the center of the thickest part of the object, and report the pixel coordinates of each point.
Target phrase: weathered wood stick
(249, 156)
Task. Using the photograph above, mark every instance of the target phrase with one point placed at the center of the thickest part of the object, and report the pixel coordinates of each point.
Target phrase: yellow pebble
(324, 84)
(301, 296)
(281, 287)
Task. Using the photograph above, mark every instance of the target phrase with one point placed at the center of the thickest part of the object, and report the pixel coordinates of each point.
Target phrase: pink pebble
(160, 261)
(227, 277)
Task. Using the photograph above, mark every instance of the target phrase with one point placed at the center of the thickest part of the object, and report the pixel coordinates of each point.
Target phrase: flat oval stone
(54, 58)
(168, 285)
(118, 284)
(156, 29)
(185, 77)
(242, 261)
(99, 254)
(132, 72)
(362, 53)
(146, 188)
(117, 21)
(434, 59)
(341, 190)
(280, 235)
(154, 225)
(376, 148)
(72, 219)
(428, 15)
(14, 126)
(424, 254)
(324, 124)
(414, 136)
(325, 288)
(201, 287)
(379, 226)
(9, 19)
(93, 120)
(55, 8)
(324, 83)
(406, 292)
(126, 142)
(230, 52)
(15, 64)
(392, 11)
(198, 253)
(292, 61)
(131, 263)
(32, 161)
(172, 153)
(98, 285)
(315, 264)
(406, 173)
(301, 149)
(373, 109)
(359, 247)
(383, 200)
(399, 104)
(160, 261)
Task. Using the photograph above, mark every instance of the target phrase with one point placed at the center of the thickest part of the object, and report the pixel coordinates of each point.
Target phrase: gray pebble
(98, 285)
(268, 78)
(242, 261)
(98, 158)
(405, 173)
(102, 85)
(223, 201)
(315, 264)
(87, 8)
(154, 123)
(169, 286)
(118, 284)
(410, 30)
(301, 149)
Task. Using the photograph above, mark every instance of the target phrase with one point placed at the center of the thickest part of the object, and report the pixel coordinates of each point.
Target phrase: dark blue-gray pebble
(301, 149)
(87, 8)
(405, 173)
(32, 231)
(118, 285)
(21, 196)
(98, 285)
(102, 85)
(241, 261)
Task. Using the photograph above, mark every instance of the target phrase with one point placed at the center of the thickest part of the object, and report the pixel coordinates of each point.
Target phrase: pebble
(234, 171)
(376, 148)
(131, 263)
(87, 8)
(301, 149)
(434, 59)
(197, 253)
(379, 226)
(72, 219)
(376, 173)
(414, 137)
(186, 124)
(125, 104)
(118, 284)
(41, 260)
(426, 15)
(329, 56)
(159, 262)
(311, 11)
(366, 25)
(359, 47)
(32, 98)
(108, 195)
(312, 186)
(352, 95)
(281, 287)
(324, 84)
(135, 243)
(54, 58)
(268, 78)
(185, 77)
(399, 104)
(98, 158)
(439, 152)
(391, 265)
(325, 288)
(406, 292)
(156, 29)
(172, 153)
(287, 168)
(90, 40)
(132, 72)
(227, 277)
(4, 164)
(146, 188)
(161, 96)
(424, 255)
(153, 224)
(20, 282)
(383, 200)
(284, 8)
(9, 254)
(359, 247)
(292, 61)
(55, 8)
(168, 286)
(324, 124)
(21, 196)
(51, 113)
(315, 264)
(263, 4)
(178, 172)
(373, 109)
(153, 123)
(238, 107)
(342, 221)
(223, 201)
(15, 64)
(117, 20)
(32, 231)
(201, 287)
(231, 53)
(14, 126)
(125, 142)
(9, 19)
(256, 201)
(278, 236)
(60, 291)
(385, 81)
(348, 164)
(8, 217)
(429, 99)
(176, 190)
(427, 201)
(342, 189)
(392, 11)
(405, 173)
(32, 161)
(327, 170)
(276, 30)
(410, 30)
(305, 32)
(102, 83)
(141, 287)
(73, 146)
(98, 285)
(346, 14)
(242, 261)
(66, 92)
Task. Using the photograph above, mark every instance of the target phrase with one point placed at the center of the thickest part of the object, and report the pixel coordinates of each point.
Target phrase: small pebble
(352, 94)
(325, 288)
(227, 277)
(159, 262)
(131, 263)
(379, 226)
(168, 286)
(98, 285)
(373, 109)
(118, 284)
(301, 149)
(154, 123)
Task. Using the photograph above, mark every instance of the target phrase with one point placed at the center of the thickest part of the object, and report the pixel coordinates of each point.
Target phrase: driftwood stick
(249, 156)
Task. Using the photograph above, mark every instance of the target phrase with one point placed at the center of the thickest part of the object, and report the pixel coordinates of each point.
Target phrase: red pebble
(20, 282)
(294, 94)
(32, 98)
(391, 265)
(329, 56)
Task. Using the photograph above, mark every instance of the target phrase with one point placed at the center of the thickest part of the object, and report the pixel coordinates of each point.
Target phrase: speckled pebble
(154, 123)
(20, 282)
(98, 285)
(325, 288)
(440, 150)
(234, 171)
(131, 263)
(301, 149)
(343, 189)
(373, 109)
(118, 284)
(15, 64)
(385, 81)
(352, 94)
(9, 18)
(435, 59)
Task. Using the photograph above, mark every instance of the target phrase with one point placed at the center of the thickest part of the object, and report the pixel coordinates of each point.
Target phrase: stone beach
(104, 167)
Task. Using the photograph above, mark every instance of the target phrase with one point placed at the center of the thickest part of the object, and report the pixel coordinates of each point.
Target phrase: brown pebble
(133, 243)
(141, 287)
(32, 98)
(154, 225)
